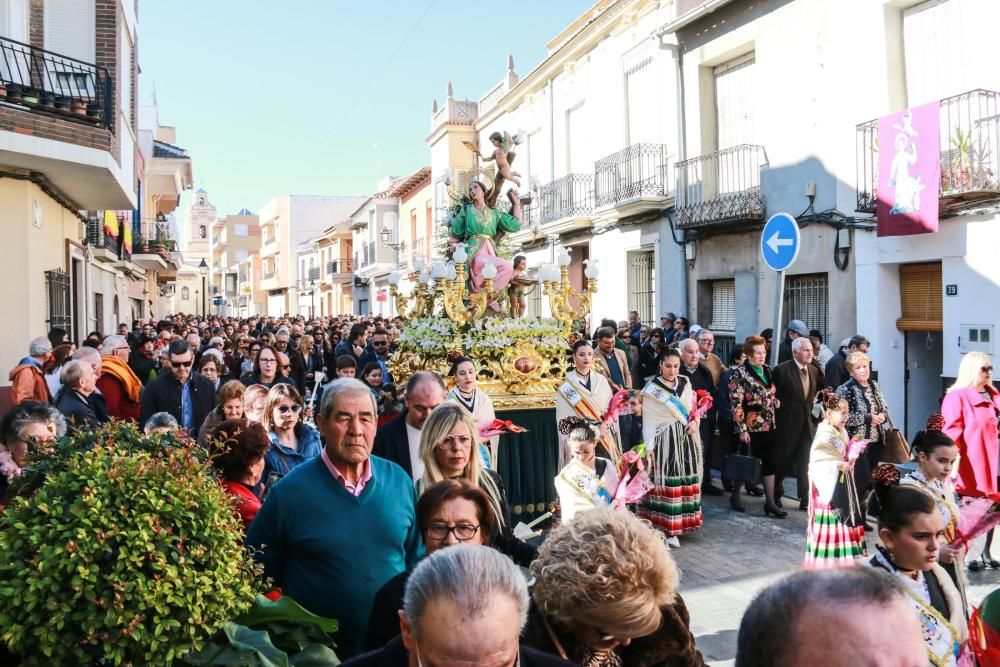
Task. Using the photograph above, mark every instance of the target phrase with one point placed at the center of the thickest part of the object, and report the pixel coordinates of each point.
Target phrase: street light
(203, 267)
(312, 296)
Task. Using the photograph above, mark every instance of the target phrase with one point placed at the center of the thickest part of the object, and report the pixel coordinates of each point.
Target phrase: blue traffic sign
(780, 242)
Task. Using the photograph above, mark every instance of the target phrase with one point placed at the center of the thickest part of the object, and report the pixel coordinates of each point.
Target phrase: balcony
(152, 249)
(633, 180)
(56, 85)
(104, 246)
(970, 151)
(267, 275)
(571, 196)
(721, 188)
(339, 269)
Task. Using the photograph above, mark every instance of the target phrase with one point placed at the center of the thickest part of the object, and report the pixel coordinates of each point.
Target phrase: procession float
(468, 301)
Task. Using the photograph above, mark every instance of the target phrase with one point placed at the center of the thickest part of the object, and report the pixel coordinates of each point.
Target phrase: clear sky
(324, 96)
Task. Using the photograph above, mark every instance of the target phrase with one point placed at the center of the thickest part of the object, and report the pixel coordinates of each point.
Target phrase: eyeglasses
(285, 409)
(380, 342)
(463, 531)
(182, 364)
(266, 361)
(123, 347)
(455, 442)
(987, 369)
(286, 367)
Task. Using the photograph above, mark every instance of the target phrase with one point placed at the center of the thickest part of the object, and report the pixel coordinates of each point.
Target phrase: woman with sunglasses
(248, 363)
(292, 440)
(449, 449)
(267, 369)
(453, 511)
(971, 408)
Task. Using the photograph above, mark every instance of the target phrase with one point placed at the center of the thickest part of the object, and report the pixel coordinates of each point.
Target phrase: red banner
(909, 171)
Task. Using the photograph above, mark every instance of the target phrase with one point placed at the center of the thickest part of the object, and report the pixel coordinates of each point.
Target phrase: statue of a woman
(478, 225)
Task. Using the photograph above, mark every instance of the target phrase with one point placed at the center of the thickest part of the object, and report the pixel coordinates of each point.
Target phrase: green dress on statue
(478, 230)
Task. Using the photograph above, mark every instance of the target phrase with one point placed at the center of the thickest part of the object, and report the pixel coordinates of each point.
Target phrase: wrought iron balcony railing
(566, 197)
(338, 266)
(57, 84)
(970, 154)
(721, 187)
(267, 275)
(98, 238)
(637, 171)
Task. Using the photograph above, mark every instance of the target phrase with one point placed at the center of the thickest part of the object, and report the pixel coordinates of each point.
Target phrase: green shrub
(126, 552)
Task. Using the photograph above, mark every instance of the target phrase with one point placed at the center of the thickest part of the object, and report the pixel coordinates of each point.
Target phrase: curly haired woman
(605, 594)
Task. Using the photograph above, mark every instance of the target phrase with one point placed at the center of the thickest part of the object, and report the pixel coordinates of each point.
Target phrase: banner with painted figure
(909, 171)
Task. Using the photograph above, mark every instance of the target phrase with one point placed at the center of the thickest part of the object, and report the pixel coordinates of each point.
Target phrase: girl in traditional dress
(587, 394)
(836, 533)
(674, 505)
(476, 403)
(587, 481)
(912, 531)
(936, 455)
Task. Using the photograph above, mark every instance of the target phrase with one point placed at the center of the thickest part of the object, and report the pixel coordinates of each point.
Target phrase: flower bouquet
(702, 404)
(634, 482)
(977, 516)
(499, 427)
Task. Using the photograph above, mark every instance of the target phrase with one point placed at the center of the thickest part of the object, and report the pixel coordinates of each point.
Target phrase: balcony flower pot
(62, 103)
(30, 96)
(47, 99)
(3, 89)
(93, 111)
(14, 92)
(79, 107)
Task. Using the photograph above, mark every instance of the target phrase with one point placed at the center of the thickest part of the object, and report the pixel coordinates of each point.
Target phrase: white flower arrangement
(489, 338)
(427, 335)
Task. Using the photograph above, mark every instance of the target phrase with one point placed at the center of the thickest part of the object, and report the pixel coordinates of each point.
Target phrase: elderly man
(464, 605)
(93, 358)
(27, 379)
(187, 396)
(118, 383)
(399, 438)
(74, 399)
(706, 343)
(796, 382)
(834, 618)
(339, 526)
(701, 379)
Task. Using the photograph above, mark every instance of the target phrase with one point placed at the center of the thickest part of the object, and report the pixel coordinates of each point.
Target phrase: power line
(388, 60)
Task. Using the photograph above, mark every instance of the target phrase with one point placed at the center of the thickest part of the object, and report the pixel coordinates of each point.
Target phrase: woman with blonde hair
(449, 449)
(230, 406)
(605, 593)
(971, 408)
(254, 402)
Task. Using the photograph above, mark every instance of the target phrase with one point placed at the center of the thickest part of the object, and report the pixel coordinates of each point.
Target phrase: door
(923, 355)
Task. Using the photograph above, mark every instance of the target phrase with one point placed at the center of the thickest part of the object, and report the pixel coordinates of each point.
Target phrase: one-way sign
(779, 242)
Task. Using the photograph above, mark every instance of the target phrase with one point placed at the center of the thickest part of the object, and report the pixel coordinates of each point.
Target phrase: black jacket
(142, 366)
(391, 443)
(164, 395)
(836, 373)
(79, 411)
(503, 539)
(383, 622)
(394, 654)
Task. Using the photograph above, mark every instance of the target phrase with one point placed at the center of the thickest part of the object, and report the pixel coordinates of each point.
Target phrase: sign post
(779, 246)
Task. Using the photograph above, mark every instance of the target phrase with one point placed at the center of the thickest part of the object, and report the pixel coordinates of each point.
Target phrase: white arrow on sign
(776, 242)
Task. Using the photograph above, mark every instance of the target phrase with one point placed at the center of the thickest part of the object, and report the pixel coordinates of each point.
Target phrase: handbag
(895, 447)
(742, 467)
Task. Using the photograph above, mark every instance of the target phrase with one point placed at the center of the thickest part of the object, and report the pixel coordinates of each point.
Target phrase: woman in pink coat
(971, 409)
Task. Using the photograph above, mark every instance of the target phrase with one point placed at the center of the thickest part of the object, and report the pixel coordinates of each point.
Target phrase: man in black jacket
(399, 438)
(77, 400)
(796, 381)
(701, 379)
(187, 396)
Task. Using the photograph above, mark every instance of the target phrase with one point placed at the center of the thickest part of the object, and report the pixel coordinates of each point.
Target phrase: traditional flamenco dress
(943, 493)
(581, 488)
(674, 458)
(836, 533)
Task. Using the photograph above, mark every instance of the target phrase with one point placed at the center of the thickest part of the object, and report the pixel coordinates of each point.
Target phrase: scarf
(124, 374)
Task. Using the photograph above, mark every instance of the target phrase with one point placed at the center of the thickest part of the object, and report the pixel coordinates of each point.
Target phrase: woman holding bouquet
(476, 403)
(587, 395)
(836, 533)
(587, 481)
(675, 460)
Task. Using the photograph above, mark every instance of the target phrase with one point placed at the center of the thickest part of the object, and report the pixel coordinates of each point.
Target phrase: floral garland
(488, 338)
(428, 335)
(8, 468)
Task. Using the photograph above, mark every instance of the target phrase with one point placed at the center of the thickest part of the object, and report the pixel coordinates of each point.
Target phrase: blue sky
(274, 98)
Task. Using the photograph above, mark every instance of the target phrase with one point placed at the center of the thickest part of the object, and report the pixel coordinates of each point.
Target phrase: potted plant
(47, 99)
(3, 89)
(62, 103)
(14, 92)
(79, 107)
(119, 548)
(93, 110)
(30, 95)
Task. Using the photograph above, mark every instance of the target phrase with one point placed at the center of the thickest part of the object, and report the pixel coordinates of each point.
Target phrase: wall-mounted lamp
(842, 249)
(691, 251)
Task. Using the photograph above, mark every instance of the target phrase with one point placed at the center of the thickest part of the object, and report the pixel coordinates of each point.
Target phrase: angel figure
(503, 143)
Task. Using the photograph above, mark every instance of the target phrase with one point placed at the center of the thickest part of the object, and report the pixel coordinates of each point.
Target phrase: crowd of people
(380, 505)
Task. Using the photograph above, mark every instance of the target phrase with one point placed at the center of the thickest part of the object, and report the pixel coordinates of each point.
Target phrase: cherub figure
(503, 143)
(515, 292)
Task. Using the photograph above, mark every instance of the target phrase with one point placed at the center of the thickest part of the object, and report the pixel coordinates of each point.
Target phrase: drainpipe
(552, 131)
(674, 46)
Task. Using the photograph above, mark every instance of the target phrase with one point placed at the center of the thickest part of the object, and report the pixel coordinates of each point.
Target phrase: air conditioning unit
(359, 281)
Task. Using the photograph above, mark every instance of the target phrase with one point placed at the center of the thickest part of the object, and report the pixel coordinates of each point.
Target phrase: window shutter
(70, 29)
(735, 93)
(920, 296)
(641, 92)
(723, 306)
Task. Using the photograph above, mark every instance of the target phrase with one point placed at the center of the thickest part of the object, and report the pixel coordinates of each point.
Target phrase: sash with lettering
(578, 399)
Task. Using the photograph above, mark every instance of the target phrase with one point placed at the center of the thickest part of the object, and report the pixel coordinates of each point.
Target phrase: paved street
(735, 555)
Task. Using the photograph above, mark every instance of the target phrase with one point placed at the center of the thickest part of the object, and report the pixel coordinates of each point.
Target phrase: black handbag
(742, 467)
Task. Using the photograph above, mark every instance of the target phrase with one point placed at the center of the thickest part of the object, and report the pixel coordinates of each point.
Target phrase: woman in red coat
(971, 409)
(238, 447)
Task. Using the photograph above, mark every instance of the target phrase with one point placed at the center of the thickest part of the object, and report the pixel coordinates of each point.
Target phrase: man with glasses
(706, 343)
(342, 524)
(379, 354)
(187, 396)
(118, 383)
